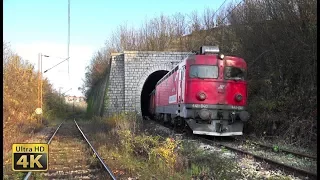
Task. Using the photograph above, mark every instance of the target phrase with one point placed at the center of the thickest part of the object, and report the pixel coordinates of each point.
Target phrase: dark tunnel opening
(147, 88)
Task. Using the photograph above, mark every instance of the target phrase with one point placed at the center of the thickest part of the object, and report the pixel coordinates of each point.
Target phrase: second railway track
(71, 156)
(288, 168)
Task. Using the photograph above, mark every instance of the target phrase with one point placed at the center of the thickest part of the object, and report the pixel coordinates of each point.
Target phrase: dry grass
(129, 152)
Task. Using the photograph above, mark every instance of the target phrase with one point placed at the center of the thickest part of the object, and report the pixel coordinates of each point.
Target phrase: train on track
(206, 91)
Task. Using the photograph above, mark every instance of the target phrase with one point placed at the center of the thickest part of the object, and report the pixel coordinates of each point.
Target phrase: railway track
(299, 154)
(70, 157)
(288, 168)
(278, 165)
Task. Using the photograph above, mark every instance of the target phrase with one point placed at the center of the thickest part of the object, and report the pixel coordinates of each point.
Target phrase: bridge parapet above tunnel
(129, 72)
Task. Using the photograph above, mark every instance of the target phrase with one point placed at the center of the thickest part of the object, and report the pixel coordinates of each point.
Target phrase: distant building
(71, 99)
(76, 102)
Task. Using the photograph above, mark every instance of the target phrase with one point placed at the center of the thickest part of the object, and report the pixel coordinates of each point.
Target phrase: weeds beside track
(231, 144)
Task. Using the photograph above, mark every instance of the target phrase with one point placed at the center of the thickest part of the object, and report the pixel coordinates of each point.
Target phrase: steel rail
(29, 173)
(285, 150)
(288, 167)
(95, 152)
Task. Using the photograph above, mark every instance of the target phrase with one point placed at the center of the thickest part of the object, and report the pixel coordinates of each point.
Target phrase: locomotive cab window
(203, 71)
(234, 73)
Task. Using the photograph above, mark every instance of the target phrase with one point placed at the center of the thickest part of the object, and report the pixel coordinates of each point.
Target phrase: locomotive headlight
(221, 56)
(238, 97)
(202, 96)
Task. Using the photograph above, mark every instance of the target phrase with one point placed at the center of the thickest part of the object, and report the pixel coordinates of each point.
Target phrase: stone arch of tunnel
(147, 88)
(146, 84)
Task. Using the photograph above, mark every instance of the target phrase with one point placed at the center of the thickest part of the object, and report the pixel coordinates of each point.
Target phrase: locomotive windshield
(203, 71)
(234, 73)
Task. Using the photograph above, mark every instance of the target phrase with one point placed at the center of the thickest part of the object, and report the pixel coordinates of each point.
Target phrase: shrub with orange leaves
(20, 81)
(20, 91)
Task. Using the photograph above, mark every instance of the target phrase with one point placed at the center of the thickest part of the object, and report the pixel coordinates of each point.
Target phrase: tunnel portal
(148, 87)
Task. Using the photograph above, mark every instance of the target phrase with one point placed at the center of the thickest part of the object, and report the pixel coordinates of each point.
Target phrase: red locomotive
(208, 91)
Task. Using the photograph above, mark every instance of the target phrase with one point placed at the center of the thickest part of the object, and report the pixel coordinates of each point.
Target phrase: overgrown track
(70, 157)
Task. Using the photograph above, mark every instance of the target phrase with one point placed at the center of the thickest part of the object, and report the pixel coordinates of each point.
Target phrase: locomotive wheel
(177, 122)
(166, 119)
(162, 118)
(181, 122)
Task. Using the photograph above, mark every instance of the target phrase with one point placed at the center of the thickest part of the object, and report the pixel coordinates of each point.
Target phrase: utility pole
(39, 55)
(41, 87)
(73, 103)
(40, 93)
(60, 95)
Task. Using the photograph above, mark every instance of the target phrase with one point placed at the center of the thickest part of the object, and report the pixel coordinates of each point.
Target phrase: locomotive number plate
(237, 107)
(199, 106)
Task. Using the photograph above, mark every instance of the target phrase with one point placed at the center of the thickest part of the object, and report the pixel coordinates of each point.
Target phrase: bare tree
(208, 19)
(7, 53)
(195, 22)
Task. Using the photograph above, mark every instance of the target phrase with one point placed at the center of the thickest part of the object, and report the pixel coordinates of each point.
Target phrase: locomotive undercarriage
(209, 121)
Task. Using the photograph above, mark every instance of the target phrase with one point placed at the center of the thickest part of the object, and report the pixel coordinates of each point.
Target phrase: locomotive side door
(179, 85)
(182, 83)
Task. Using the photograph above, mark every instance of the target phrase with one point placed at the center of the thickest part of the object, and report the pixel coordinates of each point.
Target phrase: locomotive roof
(232, 58)
(229, 59)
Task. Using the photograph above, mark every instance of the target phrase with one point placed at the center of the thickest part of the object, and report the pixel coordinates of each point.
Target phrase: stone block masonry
(115, 86)
(128, 73)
